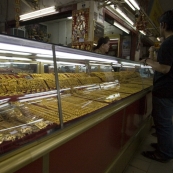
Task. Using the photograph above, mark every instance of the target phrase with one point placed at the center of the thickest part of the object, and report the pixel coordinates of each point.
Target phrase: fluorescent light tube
(68, 63)
(38, 13)
(12, 47)
(13, 52)
(130, 5)
(129, 64)
(43, 55)
(116, 65)
(62, 55)
(95, 64)
(65, 55)
(113, 39)
(135, 4)
(142, 32)
(20, 63)
(43, 60)
(121, 27)
(5, 62)
(125, 16)
(58, 62)
(145, 66)
(69, 17)
(158, 38)
(15, 58)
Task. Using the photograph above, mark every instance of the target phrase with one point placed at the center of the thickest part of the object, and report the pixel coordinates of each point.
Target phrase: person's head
(103, 44)
(166, 23)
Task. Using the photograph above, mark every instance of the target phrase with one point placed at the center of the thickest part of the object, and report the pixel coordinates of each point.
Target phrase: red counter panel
(96, 148)
(92, 151)
(34, 167)
(134, 114)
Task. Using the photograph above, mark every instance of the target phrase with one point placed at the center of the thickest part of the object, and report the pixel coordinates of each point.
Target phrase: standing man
(162, 93)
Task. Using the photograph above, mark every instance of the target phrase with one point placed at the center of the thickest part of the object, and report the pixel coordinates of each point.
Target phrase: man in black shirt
(162, 100)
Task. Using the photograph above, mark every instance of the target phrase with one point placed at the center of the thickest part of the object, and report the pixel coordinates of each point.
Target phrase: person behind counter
(102, 45)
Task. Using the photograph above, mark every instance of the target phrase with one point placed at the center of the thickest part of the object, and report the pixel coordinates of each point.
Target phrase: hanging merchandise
(17, 12)
(141, 22)
(83, 45)
(80, 25)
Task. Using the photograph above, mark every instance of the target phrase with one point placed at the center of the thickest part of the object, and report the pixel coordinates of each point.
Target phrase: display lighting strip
(116, 65)
(129, 64)
(37, 94)
(134, 4)
(62, 55)
(146, 66)
(107, 65)
(39, 97)
(121, 27)
(68, 63)
(46, 56)
(58, 62)
(130, 5)
(13, 52)
(5, 62)
(122, 14)
(43, 60)
(12, 47)
(22, 63)
(39, 13)
(14, 58)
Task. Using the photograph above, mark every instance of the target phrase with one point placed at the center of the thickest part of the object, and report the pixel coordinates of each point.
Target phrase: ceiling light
(158, 38)
(135, 4)
(69, 17)
(121, 27)
(114, 39)
(122, 14)
(13, 52)
(38, 13)
(130, 5)
(142, 32)
(14, 58)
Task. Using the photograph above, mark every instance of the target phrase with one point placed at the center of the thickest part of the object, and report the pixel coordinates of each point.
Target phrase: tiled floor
(140, 164)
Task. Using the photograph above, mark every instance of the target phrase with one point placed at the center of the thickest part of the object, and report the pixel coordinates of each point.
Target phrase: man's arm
(156, 66)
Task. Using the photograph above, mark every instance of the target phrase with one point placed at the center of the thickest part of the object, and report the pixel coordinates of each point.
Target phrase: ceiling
(8, 14)
(166, 4)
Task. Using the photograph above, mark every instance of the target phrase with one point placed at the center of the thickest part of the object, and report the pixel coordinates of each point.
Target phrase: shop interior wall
(61, 31)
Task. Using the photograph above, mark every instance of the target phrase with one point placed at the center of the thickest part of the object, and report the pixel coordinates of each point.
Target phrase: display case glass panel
(51, 87)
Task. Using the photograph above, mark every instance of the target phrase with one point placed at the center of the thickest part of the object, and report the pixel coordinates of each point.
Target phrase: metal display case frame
(66, 134)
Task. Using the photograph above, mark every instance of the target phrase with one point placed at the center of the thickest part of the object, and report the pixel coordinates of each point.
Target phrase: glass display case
(52, 87)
